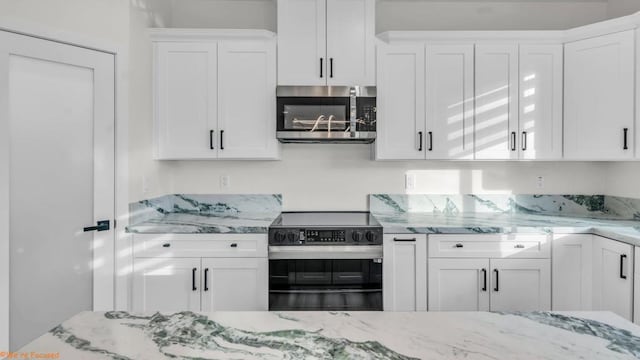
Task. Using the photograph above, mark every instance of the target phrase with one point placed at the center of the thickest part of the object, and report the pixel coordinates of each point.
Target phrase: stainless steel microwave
(326, 114)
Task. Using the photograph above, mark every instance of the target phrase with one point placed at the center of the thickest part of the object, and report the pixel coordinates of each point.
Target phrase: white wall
(487, 15)
(617, 8)
(623, 179)
(232, 14)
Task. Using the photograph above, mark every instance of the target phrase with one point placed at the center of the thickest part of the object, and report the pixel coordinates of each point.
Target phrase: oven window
(347, 285)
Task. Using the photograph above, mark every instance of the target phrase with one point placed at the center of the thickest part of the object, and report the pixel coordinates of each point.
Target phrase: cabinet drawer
(489, 246)
(180, 245)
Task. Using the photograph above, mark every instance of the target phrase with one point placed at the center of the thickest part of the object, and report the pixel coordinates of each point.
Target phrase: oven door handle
(325, 252)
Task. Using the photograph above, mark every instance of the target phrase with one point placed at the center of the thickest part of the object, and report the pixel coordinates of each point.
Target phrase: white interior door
(57, 166)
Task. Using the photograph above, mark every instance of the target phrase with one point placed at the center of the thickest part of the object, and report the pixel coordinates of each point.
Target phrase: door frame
(117, 295)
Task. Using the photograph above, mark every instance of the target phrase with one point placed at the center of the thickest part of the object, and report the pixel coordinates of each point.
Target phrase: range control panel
(323, 236)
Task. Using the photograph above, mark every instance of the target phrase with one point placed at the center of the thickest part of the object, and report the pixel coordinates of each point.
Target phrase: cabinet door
(162, 284)
(247, 100)
(458, 284)
(613, 277)
(351, 42)
(239, 284)
(185, 100)
(496, 108)
(520, 284)
(449, 101)
(302, 42)
(572, 272)
(599, 97)
(404, 279)
(400, 102)
(540, 102)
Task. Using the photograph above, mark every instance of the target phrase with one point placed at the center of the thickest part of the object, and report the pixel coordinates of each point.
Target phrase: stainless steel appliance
(326, 114)
(325, 261)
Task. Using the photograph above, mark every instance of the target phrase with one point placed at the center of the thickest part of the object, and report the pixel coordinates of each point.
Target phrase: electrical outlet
(540, 182)
(225, 182)
(409, 182)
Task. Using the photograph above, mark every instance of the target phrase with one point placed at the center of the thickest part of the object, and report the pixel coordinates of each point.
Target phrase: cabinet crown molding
(189, 35)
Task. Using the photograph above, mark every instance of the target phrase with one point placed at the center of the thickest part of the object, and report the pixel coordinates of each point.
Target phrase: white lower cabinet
(613, 277)
(459, 285)
(200, 273)
(405, 272)
(166, 284)
(572, 268)
(520, 284)
(235, 284)
(636, 286)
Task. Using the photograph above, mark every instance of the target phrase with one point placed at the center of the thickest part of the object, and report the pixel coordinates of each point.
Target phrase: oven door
(325, 284)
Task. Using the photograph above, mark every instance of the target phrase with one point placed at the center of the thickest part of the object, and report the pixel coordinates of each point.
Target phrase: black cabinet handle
(193, 279)
(404, 240)
(524, 140)
(430, 141)
(626, 139)
(166, 245)
(221, 139)
(484, 276)
(102, 225)
(331, 67)
(622, 275)
(234, 245)
(211, 139)
(513, 141)
(206, 281)
(459, 246)
(420, 140)
(497, 288)
(321, 67)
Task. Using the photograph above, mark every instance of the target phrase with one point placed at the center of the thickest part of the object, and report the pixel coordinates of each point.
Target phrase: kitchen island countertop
(336, 335)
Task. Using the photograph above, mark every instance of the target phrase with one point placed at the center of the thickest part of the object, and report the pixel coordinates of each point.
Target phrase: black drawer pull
(524, 141)
(321, 66)
(484, 276)
(519, 246)
(211, 139)
(193, 279)
(206, 277)
(166, 245)
(221, 139)
(404, 240)
(430, 140)
(420, 140)
(234, 245)
(626, 139)
(497, 288)
(513, 141)
(331, 67)
(459, 246)
(622, 275)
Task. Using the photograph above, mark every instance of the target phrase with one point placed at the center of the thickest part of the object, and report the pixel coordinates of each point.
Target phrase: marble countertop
(480, 223)
(330, 335)
(177, 223)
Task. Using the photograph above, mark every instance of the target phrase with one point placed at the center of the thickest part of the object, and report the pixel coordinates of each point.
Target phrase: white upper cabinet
(214, 94)
(449, 101)
(496, 94)
(599, 97)
(247, 100)
(185, 99)
(400, 102)
(326, 42)
(541, 97)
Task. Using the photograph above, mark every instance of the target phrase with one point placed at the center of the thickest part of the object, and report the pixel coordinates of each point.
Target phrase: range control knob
(292, 237)
(279, 236)
(356, 236)
(371, 236)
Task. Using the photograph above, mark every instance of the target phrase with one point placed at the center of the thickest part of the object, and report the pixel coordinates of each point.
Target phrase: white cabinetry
(613, 277)
(599, 97)
(572, 268)
(636, 286)
(400, 102)
(489, 272)
(449, 101)
(200, 273)
(541, 97)
(214, 94)
(496, 95)
(405, 272)
(326, 42)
